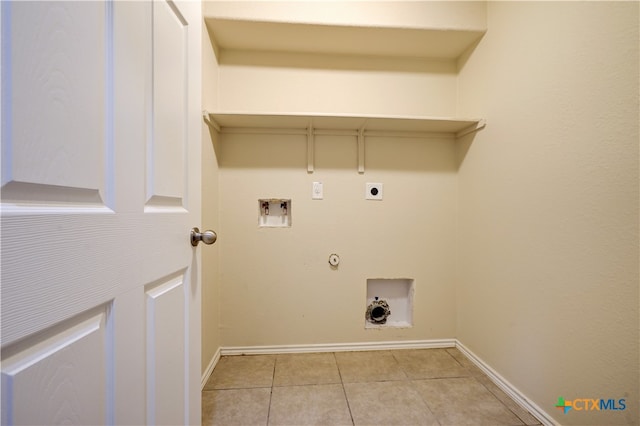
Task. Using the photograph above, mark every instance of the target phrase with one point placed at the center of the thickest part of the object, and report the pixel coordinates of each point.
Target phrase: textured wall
(277, 285)
(468, 15)
(332, 84)
(548, 231)
(524, 246)
(327, 82)
(210, 206)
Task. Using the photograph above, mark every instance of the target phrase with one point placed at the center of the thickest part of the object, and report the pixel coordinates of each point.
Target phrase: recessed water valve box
(373, 191)
(274, 213)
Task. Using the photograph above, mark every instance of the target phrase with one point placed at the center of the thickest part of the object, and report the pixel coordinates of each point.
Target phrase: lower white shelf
(369, 124)
(359, 126)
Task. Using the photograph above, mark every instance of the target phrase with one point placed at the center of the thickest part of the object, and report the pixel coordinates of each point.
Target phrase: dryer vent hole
(378, 311)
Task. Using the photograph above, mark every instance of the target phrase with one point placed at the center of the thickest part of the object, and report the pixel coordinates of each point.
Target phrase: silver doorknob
(207, 237)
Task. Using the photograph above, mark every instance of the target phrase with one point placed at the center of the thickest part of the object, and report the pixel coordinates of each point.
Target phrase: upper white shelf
(242, 34)
(231, 122)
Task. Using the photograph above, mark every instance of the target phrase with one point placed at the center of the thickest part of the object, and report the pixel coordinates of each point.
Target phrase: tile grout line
(411, 381)
(273, 379)
(500, 401)
(471, 375)
(486, 387)
(344, 391)
(467, 372)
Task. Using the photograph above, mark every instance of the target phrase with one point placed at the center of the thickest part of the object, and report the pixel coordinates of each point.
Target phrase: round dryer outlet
(378, 311)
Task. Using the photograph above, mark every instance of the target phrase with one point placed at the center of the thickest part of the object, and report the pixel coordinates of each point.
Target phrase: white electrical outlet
(373, 191)
(317, 191)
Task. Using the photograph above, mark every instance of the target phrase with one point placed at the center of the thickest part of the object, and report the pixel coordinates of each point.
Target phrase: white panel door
(100, 188)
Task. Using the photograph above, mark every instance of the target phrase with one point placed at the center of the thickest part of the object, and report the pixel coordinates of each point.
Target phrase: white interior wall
(277, 285)
(210, 267)
(548, 232)
(258, 82)
(546, 254)
(468, 15)
(314, 80)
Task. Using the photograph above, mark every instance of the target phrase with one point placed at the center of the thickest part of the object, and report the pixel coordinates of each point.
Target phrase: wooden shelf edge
(299, 123)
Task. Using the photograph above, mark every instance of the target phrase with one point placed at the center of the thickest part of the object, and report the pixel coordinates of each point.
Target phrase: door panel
(91, 332)
(165, 326)
(166, 170)
(53, 156)
(54, 70)
(43, 373)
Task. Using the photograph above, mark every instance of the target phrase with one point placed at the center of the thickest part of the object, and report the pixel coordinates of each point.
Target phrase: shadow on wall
(463, 145)
(250, 151)
(215, 139)
(337, 62)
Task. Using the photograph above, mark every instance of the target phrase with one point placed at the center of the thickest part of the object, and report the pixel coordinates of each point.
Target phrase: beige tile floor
(399, 387)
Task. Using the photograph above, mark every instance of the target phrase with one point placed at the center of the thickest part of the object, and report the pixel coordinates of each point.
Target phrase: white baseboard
(209, 369)
(507, 387)
(338, 347)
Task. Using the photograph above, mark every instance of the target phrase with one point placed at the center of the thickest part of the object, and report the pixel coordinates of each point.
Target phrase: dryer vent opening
(378, 311)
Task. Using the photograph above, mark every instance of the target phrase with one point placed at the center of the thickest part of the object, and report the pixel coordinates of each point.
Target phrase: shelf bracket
(310, 148)
(471, 129)
(211, 123)
(361, 150)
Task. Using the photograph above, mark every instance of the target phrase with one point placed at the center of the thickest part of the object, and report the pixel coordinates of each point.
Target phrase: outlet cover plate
(317, 191)
(373, 191)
